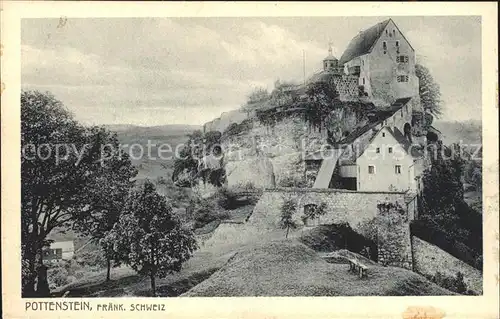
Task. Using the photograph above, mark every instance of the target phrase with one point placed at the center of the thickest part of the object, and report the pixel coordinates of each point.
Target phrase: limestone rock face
(257, 171)
(264, 155)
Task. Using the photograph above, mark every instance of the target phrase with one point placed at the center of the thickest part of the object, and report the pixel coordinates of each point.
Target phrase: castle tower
(330, 63)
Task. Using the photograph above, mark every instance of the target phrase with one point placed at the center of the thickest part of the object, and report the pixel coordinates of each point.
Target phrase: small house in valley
(60, 250)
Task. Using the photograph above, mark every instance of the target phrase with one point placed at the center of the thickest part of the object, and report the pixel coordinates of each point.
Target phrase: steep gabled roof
(363, 42)
(403, 141)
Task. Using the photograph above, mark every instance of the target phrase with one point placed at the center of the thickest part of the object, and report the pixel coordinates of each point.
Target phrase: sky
(156, 71)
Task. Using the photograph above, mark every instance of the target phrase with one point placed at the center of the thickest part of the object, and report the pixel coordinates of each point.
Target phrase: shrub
(313, 211)
(235, 128)
(286, 219)
(226, 198)
(292, 181)
(455, 284)
(203, 211)
(94, 258)
(57, 276)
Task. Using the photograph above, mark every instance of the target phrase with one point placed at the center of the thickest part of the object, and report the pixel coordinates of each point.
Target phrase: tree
(149, 238)
(286, 219)
(259, 94)
(443, 190)
(429, 91)
(61, 171)
(314, 212)
(322, 101)
(186, 164)
(107, 192)
(191, 165)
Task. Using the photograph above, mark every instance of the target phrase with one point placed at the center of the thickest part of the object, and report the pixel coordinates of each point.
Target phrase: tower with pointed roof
(330, 63)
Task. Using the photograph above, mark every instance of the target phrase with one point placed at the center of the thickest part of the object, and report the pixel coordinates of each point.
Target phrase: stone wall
(347, 87)
(393, 236)
(429, 259)
(358, 209)
(355, 208)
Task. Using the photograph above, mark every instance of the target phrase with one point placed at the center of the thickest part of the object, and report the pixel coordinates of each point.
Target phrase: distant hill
(153, 131)
(469, 132)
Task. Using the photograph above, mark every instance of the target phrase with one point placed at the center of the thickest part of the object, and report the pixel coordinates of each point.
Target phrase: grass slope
(125, 282)
(289, 268)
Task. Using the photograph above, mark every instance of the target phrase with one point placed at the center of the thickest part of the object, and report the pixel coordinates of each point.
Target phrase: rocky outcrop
(266, 156)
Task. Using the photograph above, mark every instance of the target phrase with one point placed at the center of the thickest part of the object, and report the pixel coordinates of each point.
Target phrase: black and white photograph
(251, 156)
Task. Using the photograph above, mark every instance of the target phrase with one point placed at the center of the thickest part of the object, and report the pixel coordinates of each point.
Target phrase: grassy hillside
(288, 268)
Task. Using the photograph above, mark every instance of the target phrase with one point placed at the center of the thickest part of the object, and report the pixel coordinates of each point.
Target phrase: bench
(356, 266)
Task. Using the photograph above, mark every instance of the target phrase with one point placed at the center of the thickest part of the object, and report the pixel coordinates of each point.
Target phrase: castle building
(385, 153)
(384, 62)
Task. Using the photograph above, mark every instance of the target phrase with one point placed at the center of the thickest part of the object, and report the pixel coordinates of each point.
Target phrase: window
(402, 59)
(390, 149)
(397, 43)
(394, 32)
(402, 78)
(383, 134)
(371, 169)
(378, 150)
(397, 169)
(386, 32)
(363, 81)
(384, 45)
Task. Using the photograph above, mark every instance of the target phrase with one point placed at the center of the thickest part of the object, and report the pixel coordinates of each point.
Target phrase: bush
(204, 211)
(292, 181)
(455, 284)
(94, 259)
(235, 128)
(288, 208)
(57, 276)
(226, 198)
